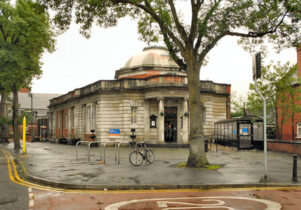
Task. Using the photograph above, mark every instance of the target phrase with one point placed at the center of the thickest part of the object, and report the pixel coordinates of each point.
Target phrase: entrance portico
(172, 122)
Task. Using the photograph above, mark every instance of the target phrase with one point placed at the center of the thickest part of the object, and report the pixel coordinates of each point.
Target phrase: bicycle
(141, 153)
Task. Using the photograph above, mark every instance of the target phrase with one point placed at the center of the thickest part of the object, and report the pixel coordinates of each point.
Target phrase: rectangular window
(133, 114)
(93, 123)
(89, 118)
(299, 130)
(66, 120)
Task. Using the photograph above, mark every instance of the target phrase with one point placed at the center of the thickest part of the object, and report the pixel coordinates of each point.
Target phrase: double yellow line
(14, 176)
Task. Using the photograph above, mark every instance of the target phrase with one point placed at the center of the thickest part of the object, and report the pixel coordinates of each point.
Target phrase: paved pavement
(56, 165)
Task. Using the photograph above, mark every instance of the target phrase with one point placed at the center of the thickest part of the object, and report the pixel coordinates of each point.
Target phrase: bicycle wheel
(150, 157)
(136, 158)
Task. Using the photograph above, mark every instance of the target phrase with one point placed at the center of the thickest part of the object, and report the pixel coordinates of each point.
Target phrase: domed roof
(151, 56)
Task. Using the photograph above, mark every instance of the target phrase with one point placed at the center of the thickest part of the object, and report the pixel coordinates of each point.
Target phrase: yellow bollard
(24, 135)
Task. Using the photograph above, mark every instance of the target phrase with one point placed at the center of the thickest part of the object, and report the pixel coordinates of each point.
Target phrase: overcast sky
(79, 61)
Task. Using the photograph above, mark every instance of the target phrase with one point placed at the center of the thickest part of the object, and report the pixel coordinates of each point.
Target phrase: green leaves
(25, 33)
(276, 85)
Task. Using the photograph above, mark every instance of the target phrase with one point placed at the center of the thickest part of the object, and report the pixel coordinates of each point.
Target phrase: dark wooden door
(170, 124)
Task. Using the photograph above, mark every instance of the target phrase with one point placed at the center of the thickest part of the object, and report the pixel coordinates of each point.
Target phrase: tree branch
(203, 25)
(195, 7)
(179, 27)
(2, 30)
(149, 10)
(173, 54)
(252, 34)
(212, 44)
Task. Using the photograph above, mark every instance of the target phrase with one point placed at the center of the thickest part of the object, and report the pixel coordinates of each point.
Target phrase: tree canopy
(190, 35)
(25, 33)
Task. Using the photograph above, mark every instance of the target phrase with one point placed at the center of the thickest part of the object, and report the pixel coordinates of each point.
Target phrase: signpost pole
(24, 135)
(256, 75)
(264, 131)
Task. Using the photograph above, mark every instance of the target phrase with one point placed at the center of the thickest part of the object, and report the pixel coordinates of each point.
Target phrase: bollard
(295, 179)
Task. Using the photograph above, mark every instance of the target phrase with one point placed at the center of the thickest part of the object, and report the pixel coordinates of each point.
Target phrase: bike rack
(118, 148)
(117, 145)
(89, 145)
(102, 150)
(76, 148)
(76, 152)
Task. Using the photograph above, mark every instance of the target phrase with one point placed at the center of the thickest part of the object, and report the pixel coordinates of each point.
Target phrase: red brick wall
(87, 137)
(24, 90)
(287, 127)
(284, 147)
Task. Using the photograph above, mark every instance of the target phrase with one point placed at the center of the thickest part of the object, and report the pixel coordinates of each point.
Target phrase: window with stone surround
(133, 114)
(93, 122)
(89, 118)
(299, 130)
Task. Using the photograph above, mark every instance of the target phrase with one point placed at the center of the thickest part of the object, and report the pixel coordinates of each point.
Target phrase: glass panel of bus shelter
(245, 136)
(227, 130)
(258, 131)
(234, 130)
(222, 131)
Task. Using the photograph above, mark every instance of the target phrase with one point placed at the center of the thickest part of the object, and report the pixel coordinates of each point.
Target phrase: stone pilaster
(161, 120)
(146, 121)
(69, 123)
(185, 121)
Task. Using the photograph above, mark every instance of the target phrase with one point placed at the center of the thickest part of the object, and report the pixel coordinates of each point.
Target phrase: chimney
(299, 60)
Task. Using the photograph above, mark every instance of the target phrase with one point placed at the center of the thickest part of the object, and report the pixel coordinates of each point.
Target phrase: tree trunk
(197, 157)
(3, 138)
(15, 117)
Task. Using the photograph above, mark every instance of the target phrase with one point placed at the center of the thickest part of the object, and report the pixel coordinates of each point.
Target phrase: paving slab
(56, 164)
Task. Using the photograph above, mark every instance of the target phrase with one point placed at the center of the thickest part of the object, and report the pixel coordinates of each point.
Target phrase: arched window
(299, 130)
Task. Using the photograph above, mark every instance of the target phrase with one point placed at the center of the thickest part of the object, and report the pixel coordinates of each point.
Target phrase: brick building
(288, 142)
(287, 133)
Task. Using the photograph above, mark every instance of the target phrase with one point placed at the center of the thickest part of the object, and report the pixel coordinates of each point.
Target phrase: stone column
(69, 123)
(84, 122)
(161, 120)
(76, 120)
(185, 121)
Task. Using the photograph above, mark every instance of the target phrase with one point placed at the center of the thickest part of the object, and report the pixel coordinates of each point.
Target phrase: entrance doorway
(170, 124)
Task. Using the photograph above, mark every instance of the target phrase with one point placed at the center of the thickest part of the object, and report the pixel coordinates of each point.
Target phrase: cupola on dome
(151, 56)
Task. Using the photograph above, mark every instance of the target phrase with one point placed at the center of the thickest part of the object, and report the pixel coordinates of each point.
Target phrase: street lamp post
(256, 75)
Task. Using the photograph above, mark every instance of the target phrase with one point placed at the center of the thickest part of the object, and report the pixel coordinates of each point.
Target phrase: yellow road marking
(14, 177)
